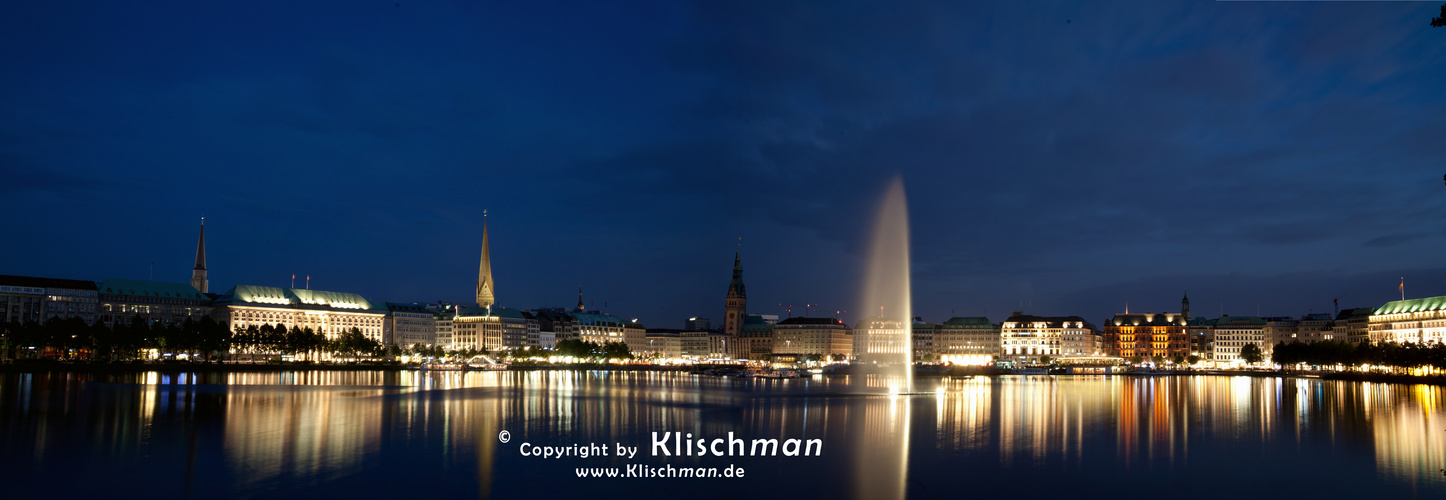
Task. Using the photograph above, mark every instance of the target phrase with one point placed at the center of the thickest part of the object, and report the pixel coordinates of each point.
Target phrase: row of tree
(592, 350)
(1334, 352)
(205, 338)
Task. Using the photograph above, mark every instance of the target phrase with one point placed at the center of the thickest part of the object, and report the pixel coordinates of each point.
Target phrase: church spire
(1185, 305)
(198, 273)
(484, 271)
(580, 307)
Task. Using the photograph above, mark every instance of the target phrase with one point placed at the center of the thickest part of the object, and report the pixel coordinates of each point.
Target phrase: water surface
(373, 434)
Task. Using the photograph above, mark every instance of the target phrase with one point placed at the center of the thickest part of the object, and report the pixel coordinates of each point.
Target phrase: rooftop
(28, 281)
(270, 295)
(151, 289)
(1413, 305)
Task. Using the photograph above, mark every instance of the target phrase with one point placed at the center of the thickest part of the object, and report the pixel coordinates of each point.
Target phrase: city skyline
(1064, 161)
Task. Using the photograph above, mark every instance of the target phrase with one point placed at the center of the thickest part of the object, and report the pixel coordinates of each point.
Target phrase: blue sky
(1063, 157)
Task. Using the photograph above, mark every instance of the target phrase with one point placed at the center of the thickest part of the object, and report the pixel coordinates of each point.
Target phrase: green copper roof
(969, 322)
(142, 288)
(1413, 305)
(255, 294)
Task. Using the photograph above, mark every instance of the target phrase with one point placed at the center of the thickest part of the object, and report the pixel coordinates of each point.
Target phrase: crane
(789, 308)
(1337, 302)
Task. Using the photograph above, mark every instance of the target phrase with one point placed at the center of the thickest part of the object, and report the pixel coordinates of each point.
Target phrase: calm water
(375, 434)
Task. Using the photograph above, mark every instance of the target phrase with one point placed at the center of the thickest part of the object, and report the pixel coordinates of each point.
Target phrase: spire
(484, 270)
(735, 289)
(1185, 305)
(198, 273)
(580, 307)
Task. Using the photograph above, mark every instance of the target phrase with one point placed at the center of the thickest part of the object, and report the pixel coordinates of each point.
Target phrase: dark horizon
(1069, 158)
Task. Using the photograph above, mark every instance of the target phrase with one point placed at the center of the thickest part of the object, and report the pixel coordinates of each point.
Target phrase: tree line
(1336, 352)
(205, 338)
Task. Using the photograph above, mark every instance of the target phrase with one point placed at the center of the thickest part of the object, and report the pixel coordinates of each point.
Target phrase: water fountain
(881, 455)
(887, 338)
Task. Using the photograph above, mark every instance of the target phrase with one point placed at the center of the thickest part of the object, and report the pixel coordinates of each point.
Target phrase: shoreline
(48, 367)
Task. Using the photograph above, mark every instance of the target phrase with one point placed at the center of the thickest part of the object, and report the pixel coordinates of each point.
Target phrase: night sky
(1066, 158)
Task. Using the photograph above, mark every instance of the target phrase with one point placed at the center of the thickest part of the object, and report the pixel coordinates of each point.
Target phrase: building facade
(813, 336)
(1147, 335)
(967, 341)
(1414, 320)
(408, 325)
(155, 302)
(328, 313)
(25, 299)
(1233, 333)
(735, 303)
(755, 342)
(1025, 336)
(879, 340)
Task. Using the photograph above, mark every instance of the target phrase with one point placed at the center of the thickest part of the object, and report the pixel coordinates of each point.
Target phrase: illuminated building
(662, 343)
(594, 326)
(327, 313)
(1234, 332)
(557, 323)
(1147, 335)
(878, 339)
(485, 287)
(817, 336)
(198, 273)
(973, 338)
(634, 334)
(492, 328)
(407, 325)
(1080, 342)
(1029, 336)
(756, 339)
(1415, 320)
(444, 328)
(154, 301)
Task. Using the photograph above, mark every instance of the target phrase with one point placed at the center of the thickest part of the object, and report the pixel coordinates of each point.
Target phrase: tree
(1437, 22)
(1251, 353)
(1178, 359)
(1192, 359)
(1137, 359)
(1044, 360)
(1158, 360)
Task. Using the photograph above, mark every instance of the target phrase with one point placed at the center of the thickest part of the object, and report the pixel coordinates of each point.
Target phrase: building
(634, 335)
(594, 326)
(408, 325)
(485, 287)
(1025, 336)
(328, 313)
(1147, 335)
(923, 333)
(490, 329)
(1080, 342)
(755, 342)
(696, 323)
(967, 341)
(1414, 320)
(1201, 334)
(813, 336)
(155, 302)
(1231, 333)
(444, 328)
(557, 323)
(878, 340)
(1354, 325)
(735, 303)
(662, 343)
(198, 273)
(25, 299)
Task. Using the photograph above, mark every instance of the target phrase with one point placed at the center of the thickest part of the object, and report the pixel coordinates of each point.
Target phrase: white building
(1231, 333)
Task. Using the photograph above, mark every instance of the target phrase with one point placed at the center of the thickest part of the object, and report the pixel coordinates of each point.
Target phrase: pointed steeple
(1185, 305)
(580, 307)
(198, 273)
(484, 271)
(735, 289)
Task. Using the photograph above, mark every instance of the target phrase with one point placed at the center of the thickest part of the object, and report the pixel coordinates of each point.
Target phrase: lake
(369, 434)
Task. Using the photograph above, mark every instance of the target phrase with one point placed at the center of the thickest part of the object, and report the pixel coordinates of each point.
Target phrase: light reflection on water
(303, 433)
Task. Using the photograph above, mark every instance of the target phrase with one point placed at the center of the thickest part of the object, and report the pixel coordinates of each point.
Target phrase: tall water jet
(888, 320)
